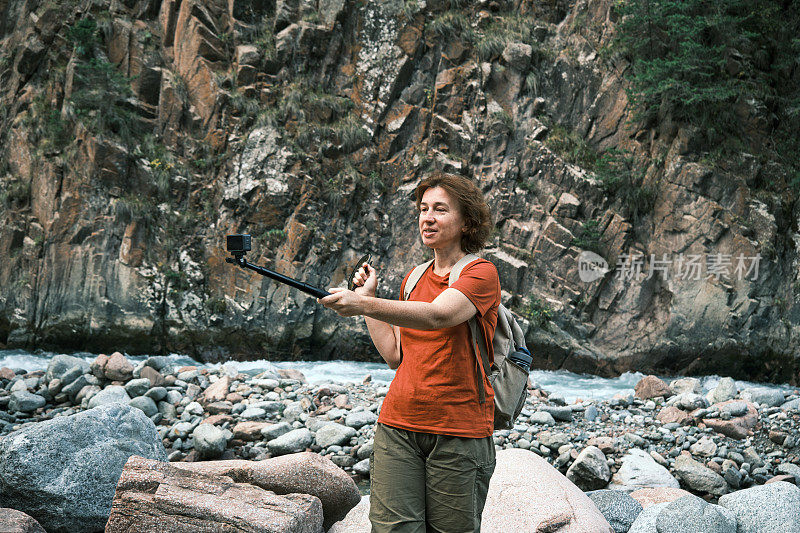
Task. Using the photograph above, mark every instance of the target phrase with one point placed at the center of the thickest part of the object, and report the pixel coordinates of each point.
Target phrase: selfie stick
(306, 288)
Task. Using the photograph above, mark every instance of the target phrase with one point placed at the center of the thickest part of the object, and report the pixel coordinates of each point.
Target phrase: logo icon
(591, 267)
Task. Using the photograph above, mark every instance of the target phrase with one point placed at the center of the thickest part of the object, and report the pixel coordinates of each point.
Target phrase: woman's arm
(449, 309)
(384, 316)
(386, 339)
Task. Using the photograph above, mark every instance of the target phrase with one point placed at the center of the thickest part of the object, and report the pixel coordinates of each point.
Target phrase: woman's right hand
(366, 280)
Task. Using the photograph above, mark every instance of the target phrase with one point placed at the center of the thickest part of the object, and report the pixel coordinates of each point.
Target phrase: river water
(569, 385)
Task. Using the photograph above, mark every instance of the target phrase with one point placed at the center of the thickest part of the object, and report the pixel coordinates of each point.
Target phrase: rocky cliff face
(137, 134)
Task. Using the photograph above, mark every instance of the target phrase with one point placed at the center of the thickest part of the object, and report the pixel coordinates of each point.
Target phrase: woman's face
(441, 224)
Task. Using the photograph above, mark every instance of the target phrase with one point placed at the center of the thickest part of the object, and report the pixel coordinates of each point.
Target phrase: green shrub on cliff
(51, 132)
(538, 312)
(138, 207)
(679, 52)
(506, 28)
(161, 165)
(451, 25)
(15, 193)
(83, 35)
(315, 119)
(101, 100)
(623, 179)
(571, 147)
(617, 172)
(590, 237)
(710, 64)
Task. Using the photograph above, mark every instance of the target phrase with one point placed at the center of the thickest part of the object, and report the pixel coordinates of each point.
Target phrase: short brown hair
(471, 204)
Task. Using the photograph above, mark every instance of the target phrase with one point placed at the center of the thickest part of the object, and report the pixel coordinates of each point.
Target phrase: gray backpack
(509, 374)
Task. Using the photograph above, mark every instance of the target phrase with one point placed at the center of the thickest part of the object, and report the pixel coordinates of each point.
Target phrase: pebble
(562, 413)
(542, 417)
(145, 404)
(333, 433)
(251, 413)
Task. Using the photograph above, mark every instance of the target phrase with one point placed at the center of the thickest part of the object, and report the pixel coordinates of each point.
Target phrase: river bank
(662, 436)
(564, 383)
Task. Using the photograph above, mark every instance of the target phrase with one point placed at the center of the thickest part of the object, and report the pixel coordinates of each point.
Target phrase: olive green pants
(423, 482)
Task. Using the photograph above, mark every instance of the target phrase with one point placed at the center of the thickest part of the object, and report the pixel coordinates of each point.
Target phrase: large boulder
(618, 508)
(544, 418)
(724, 391)
(691, 514)
(790, 470)
(63, 471)
(356, 521)
(527, 493)
(118, 368)
(766, 508)
(210, 441)
(553, 440)
(293, 441)
(764, 396)
(558, 412)
(156, 496)
(145, 405)
(216, 392)
(590, 470)
(137, 387)
(688, 514)
(652, 387)
(640, 470)
(13, 521)
(791, 405)
(305, 472)
(249, 431)
(671, 414)
(358, 419)
(699, 477)
(686, 385)
(273, 431)
(744, 417)
(66, 368)
(646, 521)
(705, 447)
(155, 377)
(688, 401)
(23, 401)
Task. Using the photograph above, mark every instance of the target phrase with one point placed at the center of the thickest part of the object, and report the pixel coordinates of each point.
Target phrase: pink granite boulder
(737, 427)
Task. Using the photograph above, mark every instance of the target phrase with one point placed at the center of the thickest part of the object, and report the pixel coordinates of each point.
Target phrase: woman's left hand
(343, 301)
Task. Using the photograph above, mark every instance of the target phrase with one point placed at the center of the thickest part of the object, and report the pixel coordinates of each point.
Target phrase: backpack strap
(411, 282)
(455, 272)
(481, 354)
(414, 277)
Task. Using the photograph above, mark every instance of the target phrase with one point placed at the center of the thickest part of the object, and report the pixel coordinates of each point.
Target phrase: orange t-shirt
(435, 388)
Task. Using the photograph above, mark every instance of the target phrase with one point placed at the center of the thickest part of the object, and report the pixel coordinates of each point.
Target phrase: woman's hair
(470, 202)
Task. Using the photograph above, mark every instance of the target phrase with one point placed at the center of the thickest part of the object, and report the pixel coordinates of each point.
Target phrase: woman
(433, 450)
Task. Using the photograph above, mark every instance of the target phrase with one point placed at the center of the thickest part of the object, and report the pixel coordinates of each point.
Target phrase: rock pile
(64, 471)
(712, 445)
